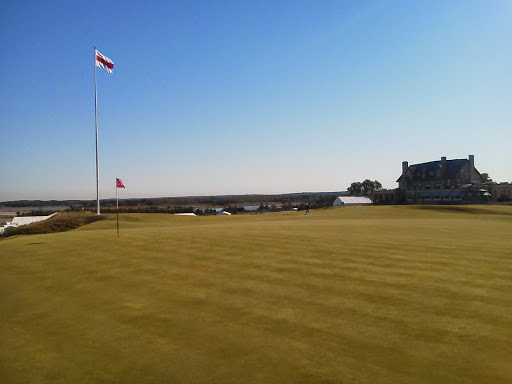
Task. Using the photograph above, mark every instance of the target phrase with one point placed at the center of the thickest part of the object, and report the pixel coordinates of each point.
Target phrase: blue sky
(238, 97)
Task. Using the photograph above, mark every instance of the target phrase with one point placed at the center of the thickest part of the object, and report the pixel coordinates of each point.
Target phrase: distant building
(441, 181)
(351, 200)
(388, 196)
(500, 191)
(25, 220)
(439, 174)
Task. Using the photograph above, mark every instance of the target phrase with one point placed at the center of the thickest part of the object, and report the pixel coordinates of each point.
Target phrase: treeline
(364, 188)
(42, 203)
(314, 201)
(38, 212)
(287, 201)
(149, 209)
(231, 200)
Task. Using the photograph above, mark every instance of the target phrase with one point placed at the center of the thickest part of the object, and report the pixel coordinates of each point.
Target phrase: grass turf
(346, 295)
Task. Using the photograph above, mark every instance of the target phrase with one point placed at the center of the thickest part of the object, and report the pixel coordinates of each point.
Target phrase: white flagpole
(96, 121)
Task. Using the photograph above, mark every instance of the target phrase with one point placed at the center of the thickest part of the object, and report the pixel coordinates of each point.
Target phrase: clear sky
(239, 97)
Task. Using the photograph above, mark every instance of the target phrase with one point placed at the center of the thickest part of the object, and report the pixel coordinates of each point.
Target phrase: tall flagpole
(96, 121)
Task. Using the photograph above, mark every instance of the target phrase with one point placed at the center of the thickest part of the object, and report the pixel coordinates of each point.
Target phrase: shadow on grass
(463, 209)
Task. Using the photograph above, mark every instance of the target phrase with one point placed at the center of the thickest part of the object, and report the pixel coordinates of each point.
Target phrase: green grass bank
(344, 295)
(61, 223)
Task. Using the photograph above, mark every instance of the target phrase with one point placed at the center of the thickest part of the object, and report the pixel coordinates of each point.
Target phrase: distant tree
(286, 204)
(368, 186)
(486, 178)
(355, 188)
(364, 188)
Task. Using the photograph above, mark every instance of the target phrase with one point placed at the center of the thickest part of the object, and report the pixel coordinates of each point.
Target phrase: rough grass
(60, 223)
(346, 295)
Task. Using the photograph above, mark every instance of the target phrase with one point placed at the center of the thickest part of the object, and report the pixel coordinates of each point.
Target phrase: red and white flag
(104, 62)
(119, 183)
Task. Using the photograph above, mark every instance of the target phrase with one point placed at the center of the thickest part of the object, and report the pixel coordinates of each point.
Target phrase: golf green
(391, 294)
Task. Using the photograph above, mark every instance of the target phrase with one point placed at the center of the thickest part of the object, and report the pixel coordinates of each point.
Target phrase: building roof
(347, 200)
(25, 220)
(428, 170)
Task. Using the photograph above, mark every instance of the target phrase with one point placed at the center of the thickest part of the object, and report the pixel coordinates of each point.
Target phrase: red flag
(104, 62)
(119, 183)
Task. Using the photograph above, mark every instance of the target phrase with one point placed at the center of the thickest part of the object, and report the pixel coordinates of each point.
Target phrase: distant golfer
(307, 209)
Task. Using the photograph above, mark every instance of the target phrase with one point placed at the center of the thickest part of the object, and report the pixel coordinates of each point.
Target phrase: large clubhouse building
(442, 181)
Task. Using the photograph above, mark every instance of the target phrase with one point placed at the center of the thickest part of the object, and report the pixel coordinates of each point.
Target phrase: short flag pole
(119, 184)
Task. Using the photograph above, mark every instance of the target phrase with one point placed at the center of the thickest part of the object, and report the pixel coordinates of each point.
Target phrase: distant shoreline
(25, 209)
(8, 213)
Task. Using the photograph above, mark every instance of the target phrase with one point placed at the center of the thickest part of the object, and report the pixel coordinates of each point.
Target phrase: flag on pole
(119, 184)
(104, 62)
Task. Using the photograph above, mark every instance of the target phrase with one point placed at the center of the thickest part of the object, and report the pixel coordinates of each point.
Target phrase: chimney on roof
(444, 168)
(405, 165)
(471, 162)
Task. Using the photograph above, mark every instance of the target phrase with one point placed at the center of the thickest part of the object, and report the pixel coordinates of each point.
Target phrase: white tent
(352, 200)
(25, 220)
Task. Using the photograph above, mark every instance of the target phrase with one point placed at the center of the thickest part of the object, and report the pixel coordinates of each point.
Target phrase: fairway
(390, 294)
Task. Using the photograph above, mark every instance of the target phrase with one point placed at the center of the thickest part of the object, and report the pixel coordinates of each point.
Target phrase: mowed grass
(345, 295)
